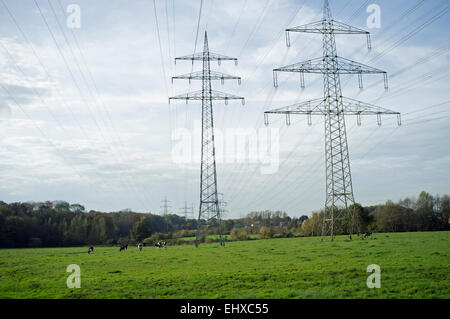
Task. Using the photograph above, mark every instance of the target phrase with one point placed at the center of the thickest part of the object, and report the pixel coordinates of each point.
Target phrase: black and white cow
(123, 247)
(91, 250)
(140, 246)
(161, 244)
(367, 234)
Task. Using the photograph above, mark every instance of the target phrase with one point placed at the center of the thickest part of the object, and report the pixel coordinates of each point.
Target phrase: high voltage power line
(237, 179)
(48, 77)
(209, 207)
(317, 162)
(99, 101)
(74, 79)
(259, 122)
(234, 175)
(407, 12)
(333, 106)
(357, 13)
(47, 73)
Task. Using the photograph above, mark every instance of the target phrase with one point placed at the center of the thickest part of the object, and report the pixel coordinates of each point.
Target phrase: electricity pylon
(209, 202)
(333, 106)
(187, 211)
(165, 208)
(222, 205)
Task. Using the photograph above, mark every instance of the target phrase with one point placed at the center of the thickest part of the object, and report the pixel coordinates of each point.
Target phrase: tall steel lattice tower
(333, 106)
(209, 208)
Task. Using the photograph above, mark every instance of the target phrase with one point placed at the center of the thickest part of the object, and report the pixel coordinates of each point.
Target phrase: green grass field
(413, 265)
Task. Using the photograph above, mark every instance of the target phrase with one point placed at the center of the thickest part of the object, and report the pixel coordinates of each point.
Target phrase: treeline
(424, 213)
(53, 224)
(58, 223)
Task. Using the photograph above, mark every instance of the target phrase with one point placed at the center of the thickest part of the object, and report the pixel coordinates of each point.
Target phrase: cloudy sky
(84, 113)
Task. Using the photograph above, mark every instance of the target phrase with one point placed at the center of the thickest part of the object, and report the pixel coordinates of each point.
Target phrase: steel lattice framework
(209, 207)
(165, 208)
(333, 106)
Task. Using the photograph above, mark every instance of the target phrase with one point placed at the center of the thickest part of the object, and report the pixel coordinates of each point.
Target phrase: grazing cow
(367, 234)
(140, 246)
(123, 247)
(91, 250)
(161, 244)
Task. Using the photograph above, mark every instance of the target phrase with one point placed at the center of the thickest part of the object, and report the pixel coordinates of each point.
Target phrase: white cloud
(115, 151)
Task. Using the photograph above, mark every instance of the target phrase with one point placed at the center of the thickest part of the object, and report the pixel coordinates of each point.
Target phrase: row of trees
(52, 224)
(426, 213)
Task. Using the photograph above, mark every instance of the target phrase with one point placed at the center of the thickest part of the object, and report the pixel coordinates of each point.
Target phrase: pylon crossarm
(358, 108)
(308, 66)
(318, 107)
(324, 26)
(343, 28)
(322, 66)
(313, 107)
(199, 95)
(313, 27)
(344, 66)
(200, 56)
(212, 75)
(354, 107)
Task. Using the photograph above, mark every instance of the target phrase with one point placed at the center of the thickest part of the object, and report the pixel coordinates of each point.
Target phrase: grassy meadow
(413, 265)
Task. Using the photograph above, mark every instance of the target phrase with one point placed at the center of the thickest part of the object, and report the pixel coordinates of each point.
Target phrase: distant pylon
(222, 205)
(165, 208)
(333, 106)
(209, 202)
(188, 212)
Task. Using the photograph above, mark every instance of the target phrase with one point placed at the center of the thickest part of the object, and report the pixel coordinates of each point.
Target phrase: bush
(234, 234)
(289, 234)
(159, 236)
(183, 241)
(266, 232)
(185, 233)
(242, 234)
